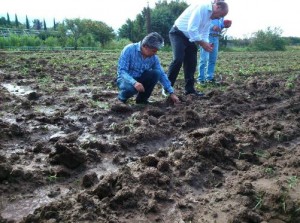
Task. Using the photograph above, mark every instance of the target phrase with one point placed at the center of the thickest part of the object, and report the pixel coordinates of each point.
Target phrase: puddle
(88, 137)
(17, 90)
(47, 110)
(21, 208)
(105, 168)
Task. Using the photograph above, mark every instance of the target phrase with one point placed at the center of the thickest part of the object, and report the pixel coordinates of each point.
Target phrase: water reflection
(17, 90)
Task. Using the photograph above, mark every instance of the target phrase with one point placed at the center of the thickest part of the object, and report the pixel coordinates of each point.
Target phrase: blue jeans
(126, 90)
(208, 60)
(184, 52)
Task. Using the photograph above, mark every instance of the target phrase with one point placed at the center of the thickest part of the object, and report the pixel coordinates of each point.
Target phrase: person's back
(190, 29)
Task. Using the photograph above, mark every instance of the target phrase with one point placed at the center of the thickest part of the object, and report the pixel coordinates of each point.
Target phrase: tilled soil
(70, 153)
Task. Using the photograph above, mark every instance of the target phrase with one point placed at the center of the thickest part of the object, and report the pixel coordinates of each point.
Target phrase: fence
(6, 32)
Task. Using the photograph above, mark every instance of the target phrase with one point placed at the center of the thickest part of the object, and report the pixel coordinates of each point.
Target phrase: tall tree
(98, 30)
(16, 21)
(8, 20)
(37, 24)
(45, 26)
(134, 30)
(2, 21)
(148, 19)
(162, 18)
(27, 23)
(126, 30)
(54, 24)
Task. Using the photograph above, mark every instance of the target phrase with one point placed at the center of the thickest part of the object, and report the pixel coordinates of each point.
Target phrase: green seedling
(283, 201)
(241, 154)
(261, 153)
(52, 178)
(45, 80)
(293, 181)
(270, 171)
(99, 104)
(290, 83)
(259, 200)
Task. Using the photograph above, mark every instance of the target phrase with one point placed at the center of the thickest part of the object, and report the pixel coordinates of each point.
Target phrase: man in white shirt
(191, 28)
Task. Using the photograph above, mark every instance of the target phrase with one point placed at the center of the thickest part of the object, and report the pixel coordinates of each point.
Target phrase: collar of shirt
(194, 22)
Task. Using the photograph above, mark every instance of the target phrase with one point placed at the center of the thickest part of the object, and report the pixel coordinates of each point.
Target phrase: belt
(214, 35)
(179, 32)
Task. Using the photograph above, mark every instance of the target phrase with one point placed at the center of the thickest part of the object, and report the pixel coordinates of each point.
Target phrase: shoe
(201, 82)
(212, 81)
(121, 100)
(142, 102)
(196, 93)
(163, 92)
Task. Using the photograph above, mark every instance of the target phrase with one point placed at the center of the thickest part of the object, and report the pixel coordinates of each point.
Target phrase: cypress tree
(45, 27)
(148, 19)
(8, 20)
(16, 21)
(54, 24)
(27, 23)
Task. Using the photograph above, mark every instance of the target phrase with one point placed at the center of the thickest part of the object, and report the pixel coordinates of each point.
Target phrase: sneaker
(142, 102)
(196, 93)
(212, 81)
(123, 101)
(163, 92)
(201, 82)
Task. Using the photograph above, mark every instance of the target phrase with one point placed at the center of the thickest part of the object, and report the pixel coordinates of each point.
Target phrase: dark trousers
(184, 53)
(149, 79)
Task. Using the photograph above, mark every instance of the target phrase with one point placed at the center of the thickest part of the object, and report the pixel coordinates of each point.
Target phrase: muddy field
(69, 153)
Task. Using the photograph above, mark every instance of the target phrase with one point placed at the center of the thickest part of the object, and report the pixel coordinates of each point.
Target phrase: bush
(4, 43)
(51, 42)
(30, 41)
(87, 41)
(268, 40)
(117, 44)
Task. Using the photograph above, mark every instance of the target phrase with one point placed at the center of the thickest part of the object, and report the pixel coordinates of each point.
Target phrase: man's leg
(203, 64)
(212, 58)
(149, 79)
(189, 66)
(126, 90)
(178, 48)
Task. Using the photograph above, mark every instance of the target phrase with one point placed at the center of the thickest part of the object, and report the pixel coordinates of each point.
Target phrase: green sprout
(259, 200)
(261, 153)
(293, 181)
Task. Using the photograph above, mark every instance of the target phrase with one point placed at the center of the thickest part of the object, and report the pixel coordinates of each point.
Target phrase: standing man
(191, 28)
(139, 70)
(208, 59)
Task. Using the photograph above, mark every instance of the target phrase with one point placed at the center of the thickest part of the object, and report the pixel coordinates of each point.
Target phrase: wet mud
(70, 153)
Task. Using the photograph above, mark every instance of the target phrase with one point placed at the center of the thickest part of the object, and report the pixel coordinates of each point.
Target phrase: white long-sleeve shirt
(195, 21)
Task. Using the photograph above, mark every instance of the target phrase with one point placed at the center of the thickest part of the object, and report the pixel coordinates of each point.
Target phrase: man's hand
(206, 46)
(174, 98)
(139, 87)
(216, 28)
(227, 23)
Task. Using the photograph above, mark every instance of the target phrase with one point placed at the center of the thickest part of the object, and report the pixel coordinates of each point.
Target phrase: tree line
(87, 33)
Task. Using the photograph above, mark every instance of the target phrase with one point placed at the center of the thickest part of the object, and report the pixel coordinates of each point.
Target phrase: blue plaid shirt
(132, 64)
(216, 22)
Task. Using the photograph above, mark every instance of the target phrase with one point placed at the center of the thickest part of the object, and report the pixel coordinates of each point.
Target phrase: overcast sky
(247, 16)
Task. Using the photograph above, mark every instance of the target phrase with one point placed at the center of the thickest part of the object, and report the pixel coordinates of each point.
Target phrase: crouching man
(139, 70)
